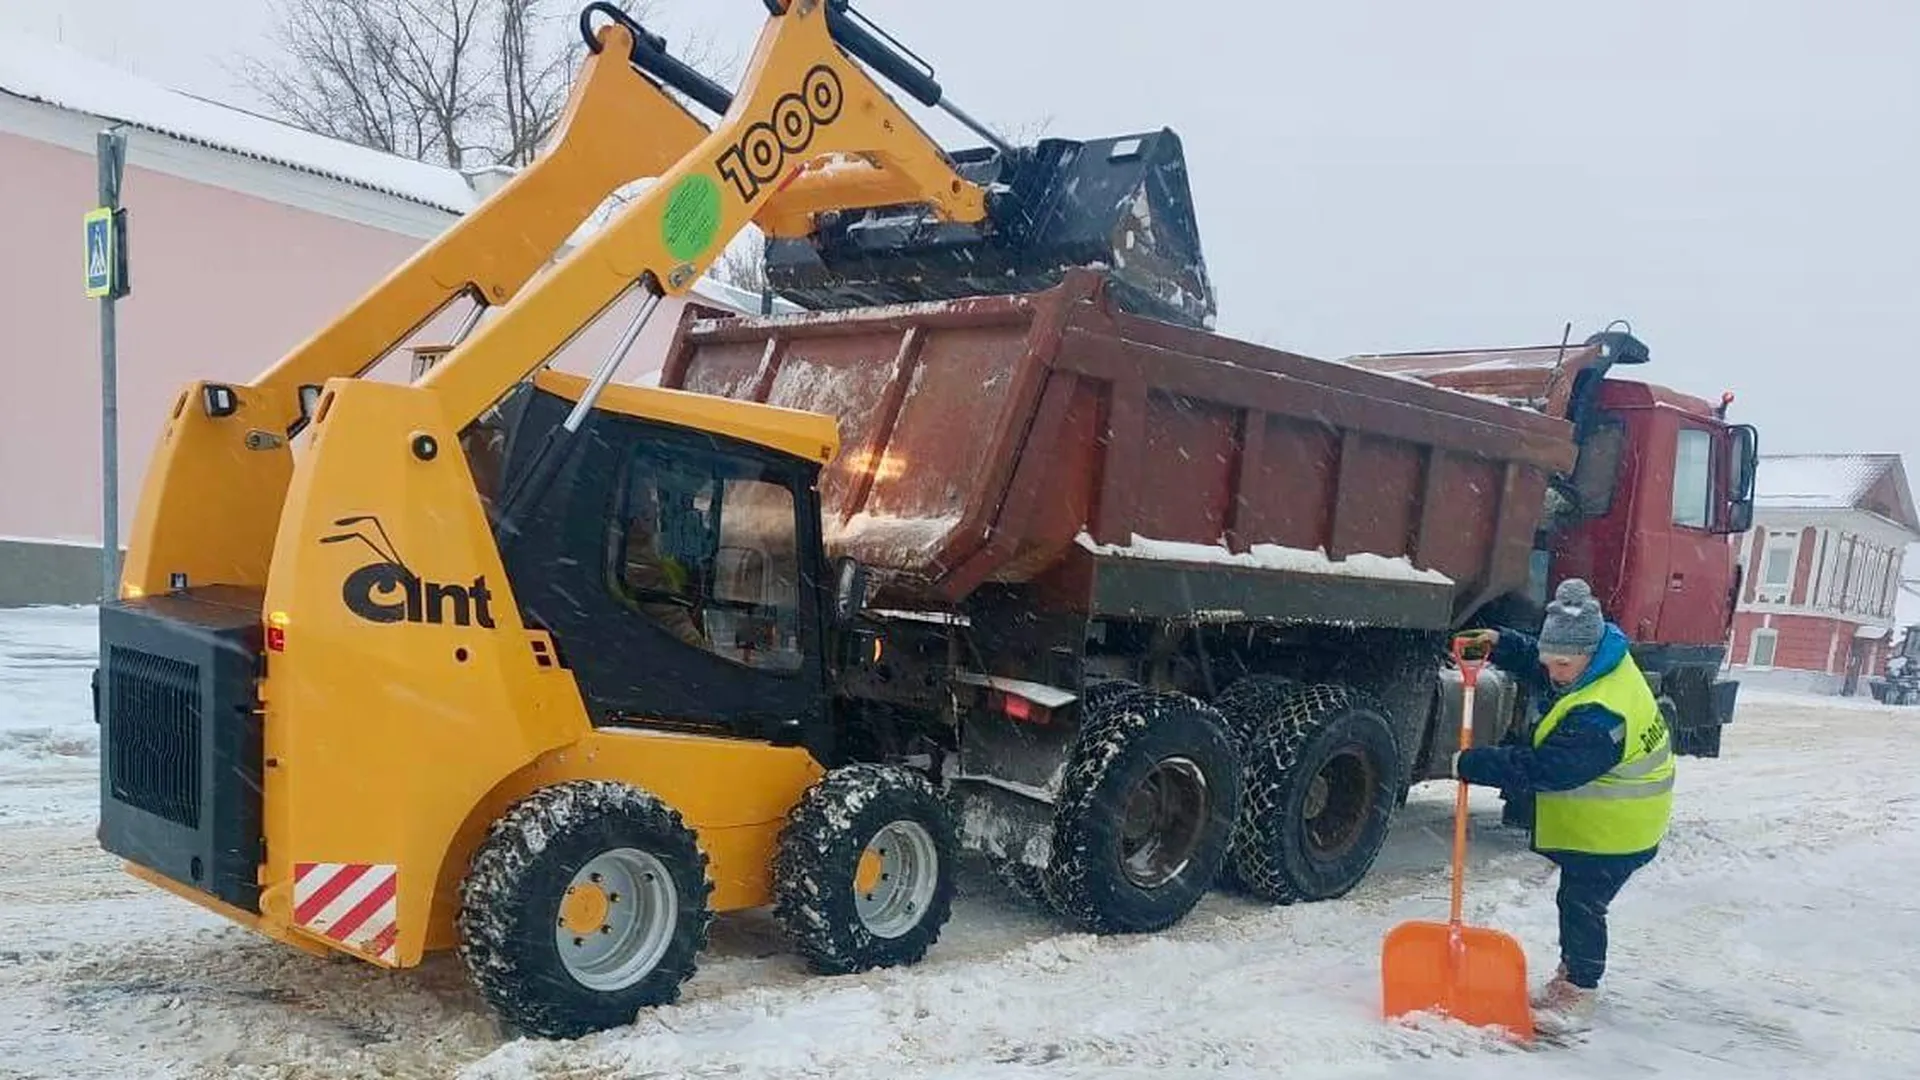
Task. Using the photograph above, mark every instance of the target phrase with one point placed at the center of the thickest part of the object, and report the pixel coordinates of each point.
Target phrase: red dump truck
(1163, 609)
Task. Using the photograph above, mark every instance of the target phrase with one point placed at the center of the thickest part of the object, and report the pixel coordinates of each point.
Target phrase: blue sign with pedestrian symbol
(100, 253)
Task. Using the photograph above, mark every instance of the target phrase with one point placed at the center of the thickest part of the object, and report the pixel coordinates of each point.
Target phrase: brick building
(1821, 571)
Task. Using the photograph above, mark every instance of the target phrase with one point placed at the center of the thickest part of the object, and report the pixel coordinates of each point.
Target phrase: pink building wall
(224, 283)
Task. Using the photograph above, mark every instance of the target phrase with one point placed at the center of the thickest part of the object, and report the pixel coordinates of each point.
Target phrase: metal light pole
(107, 280)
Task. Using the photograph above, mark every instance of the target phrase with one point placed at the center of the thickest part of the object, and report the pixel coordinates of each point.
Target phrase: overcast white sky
(1736, 178)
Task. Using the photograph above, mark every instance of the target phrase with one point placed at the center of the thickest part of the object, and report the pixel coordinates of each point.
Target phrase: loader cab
(677, 567)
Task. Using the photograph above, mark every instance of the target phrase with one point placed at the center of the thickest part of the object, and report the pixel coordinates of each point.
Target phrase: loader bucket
(1121, 204)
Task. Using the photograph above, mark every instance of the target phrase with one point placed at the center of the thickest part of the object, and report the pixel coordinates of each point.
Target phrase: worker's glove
(1453, 769)
(1479, 639)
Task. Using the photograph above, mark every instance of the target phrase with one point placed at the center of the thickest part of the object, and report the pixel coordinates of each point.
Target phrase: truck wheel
(586, 902)
(1320, 785)
(1146, 809)
(1250, 702)
(864, 874)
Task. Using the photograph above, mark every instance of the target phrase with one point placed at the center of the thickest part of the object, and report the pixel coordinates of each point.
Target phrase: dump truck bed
(1035, 438)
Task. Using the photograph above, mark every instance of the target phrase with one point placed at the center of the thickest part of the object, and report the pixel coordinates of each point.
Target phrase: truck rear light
(1020, 709)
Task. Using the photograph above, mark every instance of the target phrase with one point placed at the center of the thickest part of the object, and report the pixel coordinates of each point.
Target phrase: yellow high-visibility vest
(1627, 808)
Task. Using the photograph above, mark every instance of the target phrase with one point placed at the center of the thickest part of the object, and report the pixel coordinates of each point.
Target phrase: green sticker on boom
(692, 217)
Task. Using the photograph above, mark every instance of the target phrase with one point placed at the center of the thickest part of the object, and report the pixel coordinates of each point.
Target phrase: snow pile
(1774, 936)
(1268, 557)
(46, 669)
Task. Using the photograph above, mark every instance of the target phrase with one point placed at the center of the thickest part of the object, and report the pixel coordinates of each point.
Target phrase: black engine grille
(155, 705)
(180, 739)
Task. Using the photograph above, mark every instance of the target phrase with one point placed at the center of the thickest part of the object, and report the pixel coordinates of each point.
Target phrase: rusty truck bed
(1032, 438)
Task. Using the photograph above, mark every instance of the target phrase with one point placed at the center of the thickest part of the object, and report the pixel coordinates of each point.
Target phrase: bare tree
(459, 82)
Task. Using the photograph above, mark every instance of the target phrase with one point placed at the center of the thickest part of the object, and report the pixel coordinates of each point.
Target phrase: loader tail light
(277, 631)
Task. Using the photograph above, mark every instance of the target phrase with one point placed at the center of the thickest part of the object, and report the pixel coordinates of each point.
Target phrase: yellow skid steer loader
(326, 716)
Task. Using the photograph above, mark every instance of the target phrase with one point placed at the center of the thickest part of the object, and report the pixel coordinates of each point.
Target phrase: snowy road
(1777, 935)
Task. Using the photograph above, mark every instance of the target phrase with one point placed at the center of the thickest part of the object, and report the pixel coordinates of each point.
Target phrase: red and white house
(1821, 571)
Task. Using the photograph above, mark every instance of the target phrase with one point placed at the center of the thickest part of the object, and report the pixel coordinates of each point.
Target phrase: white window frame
(1772, 637)
(1765, 592)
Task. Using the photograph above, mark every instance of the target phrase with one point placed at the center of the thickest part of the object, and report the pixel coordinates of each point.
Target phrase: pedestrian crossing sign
(101, 258)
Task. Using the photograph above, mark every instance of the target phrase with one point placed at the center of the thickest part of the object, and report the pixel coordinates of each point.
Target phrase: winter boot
(1562, 1007)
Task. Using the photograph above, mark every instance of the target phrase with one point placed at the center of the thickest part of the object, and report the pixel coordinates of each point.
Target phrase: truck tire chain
(1257, 856)
(1072, 881)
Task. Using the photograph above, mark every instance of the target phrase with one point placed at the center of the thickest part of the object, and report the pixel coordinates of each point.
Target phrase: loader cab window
(703, 544)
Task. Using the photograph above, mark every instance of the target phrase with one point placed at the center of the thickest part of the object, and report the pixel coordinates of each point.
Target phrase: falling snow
(1774, 936)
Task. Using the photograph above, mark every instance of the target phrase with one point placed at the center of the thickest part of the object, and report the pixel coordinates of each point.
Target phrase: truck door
(1699, 567)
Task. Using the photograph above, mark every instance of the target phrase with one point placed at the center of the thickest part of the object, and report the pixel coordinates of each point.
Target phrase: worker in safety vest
(1600, 767)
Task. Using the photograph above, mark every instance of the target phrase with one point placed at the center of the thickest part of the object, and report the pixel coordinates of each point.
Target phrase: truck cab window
(704, 545)
(1692, 476)
(1596, 467)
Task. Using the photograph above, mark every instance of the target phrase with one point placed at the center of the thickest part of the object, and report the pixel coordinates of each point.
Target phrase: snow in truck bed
(1776, 936)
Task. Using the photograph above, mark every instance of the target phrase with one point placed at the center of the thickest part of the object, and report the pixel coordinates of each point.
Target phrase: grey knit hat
(1573, 625)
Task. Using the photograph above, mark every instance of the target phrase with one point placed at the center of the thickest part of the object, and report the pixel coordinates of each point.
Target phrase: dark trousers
(1588, 883)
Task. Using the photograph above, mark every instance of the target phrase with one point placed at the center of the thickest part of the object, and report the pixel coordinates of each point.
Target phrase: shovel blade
(1480, 979)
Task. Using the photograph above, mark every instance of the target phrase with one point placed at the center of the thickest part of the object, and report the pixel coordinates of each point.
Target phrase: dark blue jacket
(1583, 746)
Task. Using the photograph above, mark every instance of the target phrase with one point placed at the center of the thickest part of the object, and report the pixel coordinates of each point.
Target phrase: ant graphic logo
(389, 592)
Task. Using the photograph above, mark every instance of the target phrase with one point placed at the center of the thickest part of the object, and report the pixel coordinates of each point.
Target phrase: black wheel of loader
(1145, 814)
(865, 872)
(1321, 780)
(586, 903)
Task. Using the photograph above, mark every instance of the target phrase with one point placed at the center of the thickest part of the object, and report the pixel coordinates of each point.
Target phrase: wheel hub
(894, 883)
(616, 919)
(585, 909)
(1166, 814)
(1338, 802)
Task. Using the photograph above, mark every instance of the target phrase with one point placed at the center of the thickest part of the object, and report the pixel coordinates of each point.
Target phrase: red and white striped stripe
(351, 903)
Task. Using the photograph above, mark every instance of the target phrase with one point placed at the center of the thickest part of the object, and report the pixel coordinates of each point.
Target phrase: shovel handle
(1469, 679)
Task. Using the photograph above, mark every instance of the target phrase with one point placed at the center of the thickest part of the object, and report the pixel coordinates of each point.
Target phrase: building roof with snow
(45, 71)
(38, 70)
(1874, 483)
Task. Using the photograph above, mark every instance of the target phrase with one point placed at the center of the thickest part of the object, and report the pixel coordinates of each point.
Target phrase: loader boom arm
(214, 488)
(219, 477)
(802, 98)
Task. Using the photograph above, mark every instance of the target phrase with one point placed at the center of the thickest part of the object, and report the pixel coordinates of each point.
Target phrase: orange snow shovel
(1473, 974)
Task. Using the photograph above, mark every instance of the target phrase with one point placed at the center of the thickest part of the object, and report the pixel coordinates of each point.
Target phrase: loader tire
(864, 876)
(1146, 810)
(1321, 781)
(586, 902)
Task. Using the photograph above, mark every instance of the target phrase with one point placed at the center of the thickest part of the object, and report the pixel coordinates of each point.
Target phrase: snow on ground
(1777, 935)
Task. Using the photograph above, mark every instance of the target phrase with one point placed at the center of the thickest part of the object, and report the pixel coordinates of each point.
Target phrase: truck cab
(1661, 484)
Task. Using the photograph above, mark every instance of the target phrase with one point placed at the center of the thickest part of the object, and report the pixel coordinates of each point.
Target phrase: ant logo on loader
(757, 159)
(418, 600)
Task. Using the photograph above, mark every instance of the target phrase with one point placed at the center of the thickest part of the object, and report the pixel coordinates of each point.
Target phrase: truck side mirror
(1742, 477)
(849, 589)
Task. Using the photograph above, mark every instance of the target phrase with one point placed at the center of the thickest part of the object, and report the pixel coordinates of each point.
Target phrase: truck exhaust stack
(1120, 204)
